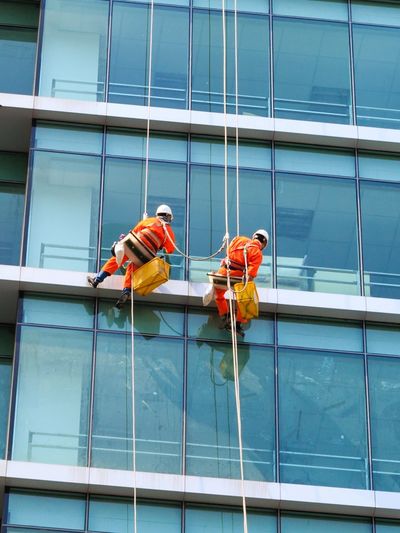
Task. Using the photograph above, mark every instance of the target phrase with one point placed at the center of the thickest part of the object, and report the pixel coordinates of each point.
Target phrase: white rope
(194, 258)
(231, 310)
(133, 415)
(237, 120)
(146, 174)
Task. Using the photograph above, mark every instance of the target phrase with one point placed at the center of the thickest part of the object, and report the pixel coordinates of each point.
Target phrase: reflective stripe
(152, 237)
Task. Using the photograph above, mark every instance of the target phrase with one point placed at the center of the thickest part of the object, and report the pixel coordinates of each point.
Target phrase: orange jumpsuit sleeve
(254, 260)
(168, 245)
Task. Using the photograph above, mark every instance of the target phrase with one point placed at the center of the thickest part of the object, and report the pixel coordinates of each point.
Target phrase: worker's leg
(126, 291)
(108, 269)
(222, 304)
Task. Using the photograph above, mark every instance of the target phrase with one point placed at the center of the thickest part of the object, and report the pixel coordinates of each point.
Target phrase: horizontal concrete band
(16, 279)
(17, 112)
(199, 489)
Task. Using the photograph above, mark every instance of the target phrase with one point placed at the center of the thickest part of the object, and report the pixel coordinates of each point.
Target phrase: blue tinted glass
(379, 166)
(380, 218)
(67, 138)
(251, 6)
(19, 13)
(56, 311)
(315, 333)
(12, 198)
(116, 516)
(6, 352)
(314, 160)
(383, 339)
(322, 416)
(384, 376)
(62, 511)
(13, 167)
(383, 526)
(201, 519)
(320, 9)
(292, 523)
(17, 60)
(212, 152)
(377, 80)
(207, 326)
(152, 319)
(6, 341)
(379, 13)
(312, 72)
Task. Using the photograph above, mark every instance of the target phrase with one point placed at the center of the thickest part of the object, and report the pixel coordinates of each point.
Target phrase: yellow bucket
(247, 299)
(150, 276)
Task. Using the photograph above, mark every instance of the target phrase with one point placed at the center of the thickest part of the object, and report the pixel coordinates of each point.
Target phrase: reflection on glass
(383, 339)
(387, 526)
(212, 152)
(199, 519)
(251, 6)
(322, 419)
(212, 441)
(53, 379)
(17, 59)
(317, 234)
(69, 138)
(305, 523)
(56, 311)
(378, 166)
(375, 12)
(320, 9)
(6, 353)
(12, 197)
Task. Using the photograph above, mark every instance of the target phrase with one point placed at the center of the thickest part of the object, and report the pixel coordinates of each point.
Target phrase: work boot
(92, 281)
(225, 322)
(98, 278)
(239, 330)
(126, 294)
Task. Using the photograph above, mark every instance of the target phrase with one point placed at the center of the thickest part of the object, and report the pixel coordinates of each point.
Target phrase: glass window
(74, 49)
(380, 219)
(59, 237)
(377, 76)
(324, 334)
(200, 519)
(116, 516)
(292, 158)
(69, 138)
(212, 441)
(203, 325)
(322, 419)
(212, 152)
(6, 353)
(158, 398)
(317, 234)
(384, 376)
(320, 9)
(132, 143)
(207, 210)
(56, 311)
(129, 61)
(12, 198)
(386, 526)
(312, 72)
(124, 201)
(379, 166)
(294, 523)
(19, 13)
(251, 6)
(252, 63)
(379, 13)
(13, 167)
(383, 339)
(53, 379)
(153, 319)
(62, 510)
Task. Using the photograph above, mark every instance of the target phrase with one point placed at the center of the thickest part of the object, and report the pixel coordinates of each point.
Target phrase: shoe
(122, 299)
(239, 330)
(225, 322)
(92, 281)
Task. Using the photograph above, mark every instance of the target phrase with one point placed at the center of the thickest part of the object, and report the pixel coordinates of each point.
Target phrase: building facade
(311, 111)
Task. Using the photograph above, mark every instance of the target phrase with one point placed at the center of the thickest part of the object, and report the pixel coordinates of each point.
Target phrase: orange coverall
(151, 232)
(237, 268)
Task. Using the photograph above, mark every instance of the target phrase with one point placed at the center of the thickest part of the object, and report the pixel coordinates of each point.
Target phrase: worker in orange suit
(156, 233)
(237, 249)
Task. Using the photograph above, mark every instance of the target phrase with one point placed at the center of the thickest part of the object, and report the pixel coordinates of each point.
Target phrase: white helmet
(164, 210)
(261, 233)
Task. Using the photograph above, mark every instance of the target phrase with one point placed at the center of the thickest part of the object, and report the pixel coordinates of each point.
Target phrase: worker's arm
(254, 260)
(169, 241)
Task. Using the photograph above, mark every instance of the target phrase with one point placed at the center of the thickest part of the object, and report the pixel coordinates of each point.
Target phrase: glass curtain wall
(6, 355)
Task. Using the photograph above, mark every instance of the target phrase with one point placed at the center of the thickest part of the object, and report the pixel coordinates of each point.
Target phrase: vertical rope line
(133, 415)
(237, 120)
(150, 67)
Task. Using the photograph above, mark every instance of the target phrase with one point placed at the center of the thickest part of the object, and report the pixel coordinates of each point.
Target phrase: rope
(237, 120)
(224, 243)
(133, 415)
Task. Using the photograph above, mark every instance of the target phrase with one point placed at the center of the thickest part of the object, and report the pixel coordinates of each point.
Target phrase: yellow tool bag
(247, 299)
(150, 276)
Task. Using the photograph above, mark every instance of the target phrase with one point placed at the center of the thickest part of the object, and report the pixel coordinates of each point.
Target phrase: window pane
(204, 325)
(383, 339)
(149, 319)
(67, 138)
(212, 152)
(6, 353)
(56, 311)
(312, 73)
(320, 9)
(292, 523)
(384, 376)
(207, 214)
(62, 510)
(317, 234)
(380, 218)
(377, 76)
(212, 441)
(379, 166)
(129, 56)
(116, 516)
(19, 13)
(53, 378)
(322, 419)
(17, 60)
(13, 167)
(251, 6)
(58, 238)
(253, 61)
(385, 13)
(382, 526)
(74, 50)
(124, 201)
(200, 519)
(294, 158)
(159, 391)
(324, 334)
(12, 198)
